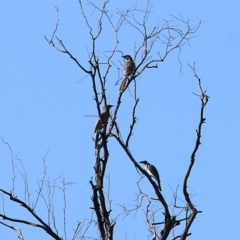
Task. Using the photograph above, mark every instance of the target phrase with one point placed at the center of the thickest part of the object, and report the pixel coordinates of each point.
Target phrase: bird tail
(123, 84)
(96, 140)
(159, 186)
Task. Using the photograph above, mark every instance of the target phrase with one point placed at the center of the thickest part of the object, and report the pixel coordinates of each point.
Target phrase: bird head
(144, 162)
(108, 106)
(127, 57)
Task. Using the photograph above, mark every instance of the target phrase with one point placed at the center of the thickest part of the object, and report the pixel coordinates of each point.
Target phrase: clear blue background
(45, 99)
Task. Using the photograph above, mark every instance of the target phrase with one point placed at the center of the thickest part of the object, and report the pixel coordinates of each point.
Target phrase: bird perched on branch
(103, 119)
(152, 172)
(128, 70)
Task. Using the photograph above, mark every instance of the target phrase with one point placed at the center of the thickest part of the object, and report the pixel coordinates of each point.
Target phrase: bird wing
(102, 120)
(127, 71)
(99, 124)
(128, 68)
(156, 175)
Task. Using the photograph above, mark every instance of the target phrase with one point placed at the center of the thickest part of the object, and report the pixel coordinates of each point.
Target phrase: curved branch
(43, 225)
(204, 100)
(20, 235)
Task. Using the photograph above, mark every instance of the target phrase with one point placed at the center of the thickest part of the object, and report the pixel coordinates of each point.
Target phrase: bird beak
(124, 56)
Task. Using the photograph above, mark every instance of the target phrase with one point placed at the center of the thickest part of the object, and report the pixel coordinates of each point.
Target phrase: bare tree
(152, 47)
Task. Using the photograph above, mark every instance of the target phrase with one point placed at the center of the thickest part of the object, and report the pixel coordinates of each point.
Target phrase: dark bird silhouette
(103, 119)
(152, 172)
(128, 70)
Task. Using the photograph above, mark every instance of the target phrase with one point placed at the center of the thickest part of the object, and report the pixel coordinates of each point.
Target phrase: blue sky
(45, 99)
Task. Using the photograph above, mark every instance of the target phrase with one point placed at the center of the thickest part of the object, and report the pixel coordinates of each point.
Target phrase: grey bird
(103, 119)
(152, 172)
(128, 70)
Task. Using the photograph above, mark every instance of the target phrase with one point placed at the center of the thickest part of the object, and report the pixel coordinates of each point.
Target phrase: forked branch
(204, 100)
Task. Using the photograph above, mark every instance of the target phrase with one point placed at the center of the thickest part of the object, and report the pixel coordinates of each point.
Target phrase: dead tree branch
(41, 223)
